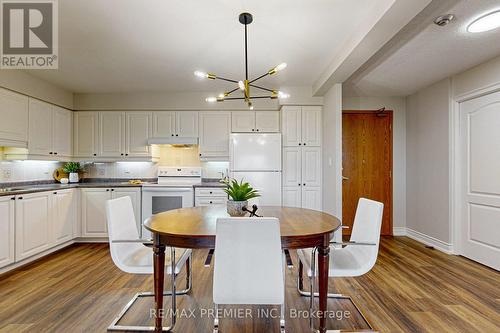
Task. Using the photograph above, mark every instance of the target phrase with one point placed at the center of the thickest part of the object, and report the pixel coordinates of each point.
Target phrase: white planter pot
(234, 208)
(73, 177)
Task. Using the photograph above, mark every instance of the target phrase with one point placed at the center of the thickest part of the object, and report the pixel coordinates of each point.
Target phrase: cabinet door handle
(211, 202)
(304, 143)
(299, 184)
(253, 130)
(121, 154)
(300, 144)
(13, 198)
(50, 153)
(55, 153)
(55, 192)
(172, 134)
(304, 184)
(177, 135)
(20, 198)
(126, 154)
(107, 190)
(112, 190)
(257, 129)
(210, 192)
(95, 154)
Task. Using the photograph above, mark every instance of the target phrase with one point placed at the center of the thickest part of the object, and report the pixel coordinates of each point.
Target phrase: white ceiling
(155, 45)
(432, 54)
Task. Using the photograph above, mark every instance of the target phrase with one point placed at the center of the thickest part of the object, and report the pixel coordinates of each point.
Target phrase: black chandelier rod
(262, 88)
(246, 51)
(225, 79)
(258, 78)
(242, 98)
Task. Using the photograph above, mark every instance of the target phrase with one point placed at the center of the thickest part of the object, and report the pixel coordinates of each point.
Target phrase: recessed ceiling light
(444, 19)
(486, 22)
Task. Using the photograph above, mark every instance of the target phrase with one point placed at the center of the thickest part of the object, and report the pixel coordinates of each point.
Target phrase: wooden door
(366, 164)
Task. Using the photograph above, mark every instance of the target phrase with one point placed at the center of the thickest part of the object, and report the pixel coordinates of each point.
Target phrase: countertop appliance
(256, 158)
(173, 190)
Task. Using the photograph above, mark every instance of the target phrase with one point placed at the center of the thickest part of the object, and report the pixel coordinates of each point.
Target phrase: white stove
(174, 190)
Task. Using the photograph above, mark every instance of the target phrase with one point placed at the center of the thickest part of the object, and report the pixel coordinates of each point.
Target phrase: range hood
(174, 141)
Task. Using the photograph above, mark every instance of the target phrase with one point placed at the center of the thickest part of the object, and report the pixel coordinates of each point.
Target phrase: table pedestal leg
(159, 271)
(323, 261)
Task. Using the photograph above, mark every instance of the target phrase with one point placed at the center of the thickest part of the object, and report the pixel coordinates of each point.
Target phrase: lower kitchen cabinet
(7, 220)
(210, 196)
(93, 208)
(302, 197)
(63, 208)
(292, 197)
(32, 224)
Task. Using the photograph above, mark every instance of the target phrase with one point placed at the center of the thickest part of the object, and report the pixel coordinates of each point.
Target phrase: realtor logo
(29, 34)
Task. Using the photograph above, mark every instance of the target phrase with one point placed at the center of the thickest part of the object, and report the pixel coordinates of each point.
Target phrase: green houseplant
(72, 168)
(239, 193)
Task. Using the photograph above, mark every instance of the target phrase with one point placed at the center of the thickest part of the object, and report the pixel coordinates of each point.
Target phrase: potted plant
(72, 168)
(239, 193)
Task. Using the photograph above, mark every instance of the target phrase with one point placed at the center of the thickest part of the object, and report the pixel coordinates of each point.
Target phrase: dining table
(195, 228)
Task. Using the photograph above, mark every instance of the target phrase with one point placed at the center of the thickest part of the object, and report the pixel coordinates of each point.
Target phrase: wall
(24, 83)
(482, 76)
(19, 171)
(332, 151)
(428, 167)
(398, 105)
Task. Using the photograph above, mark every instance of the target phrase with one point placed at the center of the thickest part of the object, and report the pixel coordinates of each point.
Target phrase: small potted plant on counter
(72, 168)
(239, 193)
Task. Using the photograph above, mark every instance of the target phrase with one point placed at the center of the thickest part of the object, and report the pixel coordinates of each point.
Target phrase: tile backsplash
(18, 171)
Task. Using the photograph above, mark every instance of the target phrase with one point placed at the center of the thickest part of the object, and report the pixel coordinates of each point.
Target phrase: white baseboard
(92, 240)
(429, 240)
(399, 231)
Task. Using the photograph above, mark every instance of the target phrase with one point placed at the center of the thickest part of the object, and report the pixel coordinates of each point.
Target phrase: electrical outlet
(101, 172)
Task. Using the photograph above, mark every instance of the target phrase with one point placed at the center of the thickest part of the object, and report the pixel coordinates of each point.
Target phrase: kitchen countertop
(210, 183)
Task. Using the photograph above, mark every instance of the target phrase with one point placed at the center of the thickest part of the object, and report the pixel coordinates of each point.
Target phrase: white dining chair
(249, 265)
(132, 255)
(347, 259)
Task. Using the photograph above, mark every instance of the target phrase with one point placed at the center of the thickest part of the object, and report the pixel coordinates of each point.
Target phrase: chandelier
(244, 85)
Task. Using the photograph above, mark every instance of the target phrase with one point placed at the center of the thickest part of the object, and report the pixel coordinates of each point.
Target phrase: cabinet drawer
(210, 192)
(200, 202)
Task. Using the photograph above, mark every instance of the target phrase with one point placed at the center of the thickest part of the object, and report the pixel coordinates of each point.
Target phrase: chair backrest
(122, 226)
(249, 265)
(366, 228)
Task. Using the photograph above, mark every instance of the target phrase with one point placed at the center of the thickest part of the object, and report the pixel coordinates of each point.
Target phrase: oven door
(161, 199)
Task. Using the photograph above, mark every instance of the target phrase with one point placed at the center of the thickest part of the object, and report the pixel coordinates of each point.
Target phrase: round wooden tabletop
(195, 227)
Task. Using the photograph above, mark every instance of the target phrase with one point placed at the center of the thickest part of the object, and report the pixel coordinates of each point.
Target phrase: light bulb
(221, 95)
(200, 74)
(486, 22)
(241, 84)
(251, 107)
(211, 99)
(283, 95)
(280, 66)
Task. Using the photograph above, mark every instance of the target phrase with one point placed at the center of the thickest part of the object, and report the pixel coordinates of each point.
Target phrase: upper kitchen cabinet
(138, 131)
(86, 134)
(301, 126)
(175, 123)
(215, 127)
(14, 124)
(111, 134)
(255, 121)
(50, 130)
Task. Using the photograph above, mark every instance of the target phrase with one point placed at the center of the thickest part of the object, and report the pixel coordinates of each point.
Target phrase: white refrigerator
(256, 158)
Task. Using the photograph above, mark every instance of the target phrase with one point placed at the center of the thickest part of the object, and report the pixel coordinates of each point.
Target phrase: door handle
(345, 178)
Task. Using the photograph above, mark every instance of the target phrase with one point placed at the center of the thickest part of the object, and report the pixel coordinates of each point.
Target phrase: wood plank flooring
(411, 289)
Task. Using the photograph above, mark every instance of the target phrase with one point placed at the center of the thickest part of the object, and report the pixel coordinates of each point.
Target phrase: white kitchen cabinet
(215, 128)
(210, 196)
(32, 224)
(243, 122)
(93, 208)
(292, 166)
(14, 124)
(267, 121)
(138, 131)
(62, 131)
(111, 134)
(311, 166)
(292, 196)
(186, 124)
(255, 121)
(301, 126)
(86, 134)
(50, 130)
(93, 211)
(175, 123)
(63, 216)
(311, 198)
(7, 220)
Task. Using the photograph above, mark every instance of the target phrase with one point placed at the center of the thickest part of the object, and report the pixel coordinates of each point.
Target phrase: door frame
(391, 113)
(456, 171)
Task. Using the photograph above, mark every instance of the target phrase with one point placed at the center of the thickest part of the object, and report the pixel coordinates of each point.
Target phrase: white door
(311, 198)
(137, 134)
(14, 111)
(63, 216)
(311, 126)
(311, 166)
(215, 128)
(32, 224)
(94, 212)
(186, 123)
(111, 134)
(291, 125)
(267, 121)
(135, 196)
(243, 122)
(62, 138)
(480, 177)
(86, 134)
(163, 124)
(7, 220)
(292, 166)
(292, 196)
(40, 128)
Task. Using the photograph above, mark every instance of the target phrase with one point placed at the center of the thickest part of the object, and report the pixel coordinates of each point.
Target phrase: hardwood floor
(411, 289)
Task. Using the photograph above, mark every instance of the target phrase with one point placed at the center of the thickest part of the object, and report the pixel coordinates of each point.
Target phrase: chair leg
(311, 284)
(282, 318)
(216, 318)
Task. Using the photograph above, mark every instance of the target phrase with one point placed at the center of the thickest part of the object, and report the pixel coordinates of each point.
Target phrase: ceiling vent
(443, 20)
